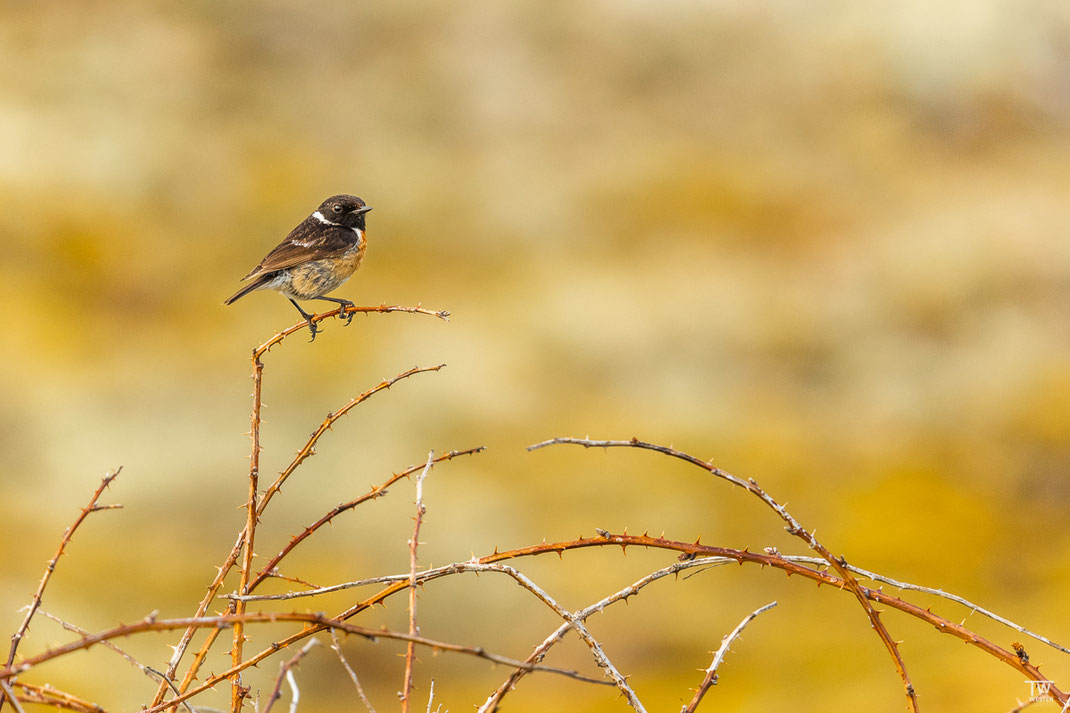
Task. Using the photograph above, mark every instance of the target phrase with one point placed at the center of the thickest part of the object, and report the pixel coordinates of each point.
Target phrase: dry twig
(938, 593)
(10, 695)
(286, 672)
(236, 550)
(343, 312)
(49, 696)
(793, 528)
(492, 702)
(414, 543)
(238, 607)
(711, 673)
(307, 450)
(375, 492)
(314, 623)
(90, 507)
(147, 670)
(337, 648)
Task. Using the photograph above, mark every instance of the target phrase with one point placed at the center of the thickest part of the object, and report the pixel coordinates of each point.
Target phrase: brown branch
(236, 695)
(372, 634)
(147, 670)
(309, 448)
(213, 589)
(943, 595)
(711, 673)
(341, 312)
(793, 528)
(187, 635)
(35, 603)
(375, 492)
(692, 550)
(236, 551)
(314, 622)
(284, 669)
(537, 656)
(687, 550)
(572, 621)
(48, 696)
(410, 651)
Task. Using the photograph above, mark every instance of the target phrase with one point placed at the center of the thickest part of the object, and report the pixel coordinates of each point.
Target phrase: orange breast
(317, 278)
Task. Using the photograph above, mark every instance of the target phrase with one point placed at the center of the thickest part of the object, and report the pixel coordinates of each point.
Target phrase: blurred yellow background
(824, 245)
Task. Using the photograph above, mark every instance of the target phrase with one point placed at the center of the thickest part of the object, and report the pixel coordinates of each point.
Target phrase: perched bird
(316, 257)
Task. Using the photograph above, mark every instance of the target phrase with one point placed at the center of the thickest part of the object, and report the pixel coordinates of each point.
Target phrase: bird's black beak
(358, 211)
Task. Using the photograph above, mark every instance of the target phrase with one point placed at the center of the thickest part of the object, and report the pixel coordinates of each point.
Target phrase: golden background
(824, 246)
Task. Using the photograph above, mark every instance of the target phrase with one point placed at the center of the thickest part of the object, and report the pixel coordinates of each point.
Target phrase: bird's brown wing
(311, 240)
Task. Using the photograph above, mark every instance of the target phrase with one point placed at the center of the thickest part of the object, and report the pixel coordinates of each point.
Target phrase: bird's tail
(254, 285)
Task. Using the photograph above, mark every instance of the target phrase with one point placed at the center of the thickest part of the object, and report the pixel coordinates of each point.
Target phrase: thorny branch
(689, 551)
(337, 648)
(35, 603)
(376, 492)
(49, 696)
(147, 670)
(711, 673)
(793, 528)
(314, 623)
(414, 543)
(938, 593)
(286, 670)
(492, 703)
(309, 449)
(343, 312)
(236, 550)
(237, 696)
(213, 589)
(238, 618)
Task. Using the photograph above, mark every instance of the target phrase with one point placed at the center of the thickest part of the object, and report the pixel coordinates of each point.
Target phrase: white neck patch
(321, 218)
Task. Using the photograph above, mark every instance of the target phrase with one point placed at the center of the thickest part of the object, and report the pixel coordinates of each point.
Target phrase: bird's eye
(336, 208)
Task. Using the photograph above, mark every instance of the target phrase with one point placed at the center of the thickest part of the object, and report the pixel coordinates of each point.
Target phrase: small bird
(315, 258)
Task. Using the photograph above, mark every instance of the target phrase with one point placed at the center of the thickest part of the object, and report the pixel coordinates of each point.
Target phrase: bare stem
(50, 696)
(410, 652)
(307, 450)
(236, 550)
(711, 673)
(35, 603)
(236, 696)
(375, 492)
(286, 672)
(337, 648)
(793, 528)
(382, 309)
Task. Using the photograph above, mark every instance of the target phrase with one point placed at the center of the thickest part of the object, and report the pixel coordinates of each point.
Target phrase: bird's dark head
(344, 210)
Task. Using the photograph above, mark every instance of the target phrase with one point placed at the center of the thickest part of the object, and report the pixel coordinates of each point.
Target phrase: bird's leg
(308, 318)
(345, 304)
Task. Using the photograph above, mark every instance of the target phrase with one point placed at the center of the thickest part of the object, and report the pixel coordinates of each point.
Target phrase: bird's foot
(312, 328)
(346, 306)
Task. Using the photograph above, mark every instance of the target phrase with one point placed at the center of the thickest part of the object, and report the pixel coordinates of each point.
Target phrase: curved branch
(342, 312)
(793, 528)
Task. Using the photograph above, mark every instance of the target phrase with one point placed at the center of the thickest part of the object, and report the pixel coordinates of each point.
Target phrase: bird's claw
(347, 314)
(313, 329)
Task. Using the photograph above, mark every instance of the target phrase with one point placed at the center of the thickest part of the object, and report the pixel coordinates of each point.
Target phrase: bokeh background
(823, 244)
